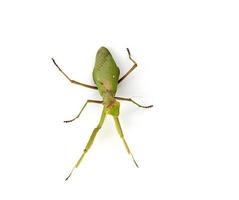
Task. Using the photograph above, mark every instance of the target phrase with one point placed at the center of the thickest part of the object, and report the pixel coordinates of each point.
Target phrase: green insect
(106, 77)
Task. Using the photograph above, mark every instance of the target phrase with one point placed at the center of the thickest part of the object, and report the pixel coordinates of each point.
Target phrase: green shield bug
(106, 78)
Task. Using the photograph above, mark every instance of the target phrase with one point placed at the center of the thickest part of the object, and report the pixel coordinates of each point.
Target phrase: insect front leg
(131, 69)
(73, 81)
(119, 129)
(88, 101)
(134, 102)
(90, 142)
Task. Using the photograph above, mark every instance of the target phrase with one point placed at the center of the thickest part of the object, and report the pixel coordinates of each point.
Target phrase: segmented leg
(131, 69)
(119, 129)
(131, 100)
(90, 142)
(88, 101)
(73, 81)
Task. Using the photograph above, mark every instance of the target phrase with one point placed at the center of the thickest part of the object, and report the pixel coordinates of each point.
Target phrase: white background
(186, 145)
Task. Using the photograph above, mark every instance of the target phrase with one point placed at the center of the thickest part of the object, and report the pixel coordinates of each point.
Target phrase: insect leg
(90, 142)
(119, 129)
(88, 101)
(131, 69)
(73, 81)
(131, 100)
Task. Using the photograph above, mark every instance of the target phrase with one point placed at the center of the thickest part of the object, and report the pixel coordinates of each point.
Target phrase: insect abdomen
(101, 57)
(106, 73)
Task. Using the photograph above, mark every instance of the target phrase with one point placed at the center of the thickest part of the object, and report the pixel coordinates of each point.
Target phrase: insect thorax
(111, 105)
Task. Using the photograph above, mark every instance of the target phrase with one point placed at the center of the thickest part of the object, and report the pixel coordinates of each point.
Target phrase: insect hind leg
(131, 69)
